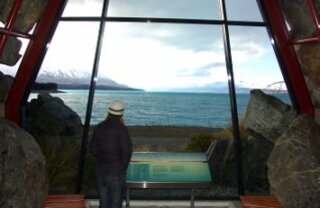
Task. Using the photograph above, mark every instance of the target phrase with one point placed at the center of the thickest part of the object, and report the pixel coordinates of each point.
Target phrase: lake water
(160, 108)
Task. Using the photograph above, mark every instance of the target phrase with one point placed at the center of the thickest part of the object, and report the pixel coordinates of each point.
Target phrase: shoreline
(170, 131)
(165, 138)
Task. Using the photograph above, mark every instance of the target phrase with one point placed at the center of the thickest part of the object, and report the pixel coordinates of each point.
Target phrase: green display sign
(169, 167)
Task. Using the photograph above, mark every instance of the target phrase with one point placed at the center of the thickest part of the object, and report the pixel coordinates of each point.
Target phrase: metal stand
(128, 198)
(192, 198)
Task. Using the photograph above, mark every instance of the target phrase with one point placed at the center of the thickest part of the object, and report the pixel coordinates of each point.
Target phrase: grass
(202, 141)
(62, 160)
(62, 157)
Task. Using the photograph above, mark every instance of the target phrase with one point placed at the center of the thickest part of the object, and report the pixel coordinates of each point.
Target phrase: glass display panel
(83, 8)
(168, 167)
(255, 68)
(56, 107)
(243, 11)
(187, 9)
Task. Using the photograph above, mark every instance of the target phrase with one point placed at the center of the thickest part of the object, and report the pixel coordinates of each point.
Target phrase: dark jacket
(112, 146)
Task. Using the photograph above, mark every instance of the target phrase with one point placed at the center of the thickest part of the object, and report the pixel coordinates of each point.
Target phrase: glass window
(188, 9)
(29, 13)
(317, 6)
(12, 55)
(83, 8)
(172, 79)
(298, 19)
(255, 67)
(243, 11)
(57, 104)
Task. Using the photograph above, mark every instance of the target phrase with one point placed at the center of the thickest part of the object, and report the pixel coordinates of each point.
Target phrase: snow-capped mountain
(75, 79)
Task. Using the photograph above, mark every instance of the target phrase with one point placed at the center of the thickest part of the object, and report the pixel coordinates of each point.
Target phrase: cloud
(159, 56)
(206, 9)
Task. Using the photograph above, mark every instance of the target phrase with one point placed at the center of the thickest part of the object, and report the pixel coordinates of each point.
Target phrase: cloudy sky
(155, 56)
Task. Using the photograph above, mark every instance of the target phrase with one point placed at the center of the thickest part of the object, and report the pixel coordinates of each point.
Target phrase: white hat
(116, 108)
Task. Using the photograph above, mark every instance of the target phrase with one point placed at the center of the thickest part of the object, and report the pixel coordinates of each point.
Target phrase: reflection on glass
(173, 82)
(11, 70)
(317, 6)
(83, 8)
(243, 11)
(254, 61)
(56, 107)
(189, 9)
(298, 18)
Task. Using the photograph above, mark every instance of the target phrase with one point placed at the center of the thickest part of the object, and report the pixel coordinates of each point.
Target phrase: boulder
(255, 157)
(50, 116)
(309, 59)
(10, 54)
(294, 165)
(267, 116)
(23, 178)
(255, 153)
(5, 85)
(218, 154)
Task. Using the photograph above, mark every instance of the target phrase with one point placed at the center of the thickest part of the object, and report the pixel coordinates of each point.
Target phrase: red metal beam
(288, 55)
(32, 59)
(15, 34)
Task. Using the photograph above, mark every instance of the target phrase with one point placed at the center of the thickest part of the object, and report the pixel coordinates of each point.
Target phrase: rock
(219, 152)
(50, 116)
(267, 116)
(309, 59)
(10, 55)
(23, 179)
(5, 85)
(48, 87)
(294, 165)
(255, 165)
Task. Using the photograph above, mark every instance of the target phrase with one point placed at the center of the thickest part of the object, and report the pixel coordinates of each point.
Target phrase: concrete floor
(173, 204)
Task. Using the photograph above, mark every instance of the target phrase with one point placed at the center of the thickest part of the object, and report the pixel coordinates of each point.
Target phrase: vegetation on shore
(62, 154)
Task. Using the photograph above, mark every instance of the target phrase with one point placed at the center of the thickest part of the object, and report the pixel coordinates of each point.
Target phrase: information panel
(168, 167)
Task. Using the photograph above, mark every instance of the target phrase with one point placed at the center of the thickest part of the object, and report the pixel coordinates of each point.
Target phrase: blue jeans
(111, 191)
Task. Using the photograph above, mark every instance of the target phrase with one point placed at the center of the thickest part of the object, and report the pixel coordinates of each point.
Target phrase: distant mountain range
(223, 87)
(71, 79)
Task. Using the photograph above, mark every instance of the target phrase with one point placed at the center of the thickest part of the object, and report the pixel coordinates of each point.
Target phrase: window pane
(28, 15)
(190, 9)
(56, 119)
(14, 51)
(243, 10)
(298, 18)
(83, 8)
(182, 103)
(255, 67)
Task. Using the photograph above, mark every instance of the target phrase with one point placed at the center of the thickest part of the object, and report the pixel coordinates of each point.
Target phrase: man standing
(111, 144)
